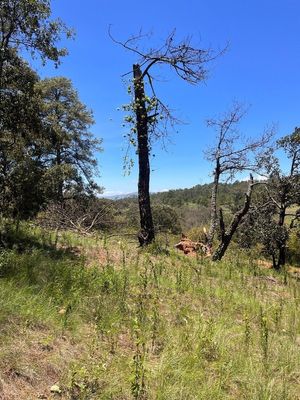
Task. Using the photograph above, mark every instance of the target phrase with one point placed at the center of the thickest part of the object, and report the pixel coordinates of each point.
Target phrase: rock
(55, 389)
(191, 248)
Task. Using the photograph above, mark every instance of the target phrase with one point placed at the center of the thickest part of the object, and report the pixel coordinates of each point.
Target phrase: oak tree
(282, 196)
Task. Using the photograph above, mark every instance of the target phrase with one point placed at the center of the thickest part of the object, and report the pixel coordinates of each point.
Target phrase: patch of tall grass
(159, 325)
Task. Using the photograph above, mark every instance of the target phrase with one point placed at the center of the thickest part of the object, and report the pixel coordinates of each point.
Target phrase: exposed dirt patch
(32, 364)
(292, 271)
(264, 264)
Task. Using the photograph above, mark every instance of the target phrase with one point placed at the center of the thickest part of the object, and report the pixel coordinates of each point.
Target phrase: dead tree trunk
(226, 235)
(213, 206)
(146, 234)
(282, 244)
(189, 63)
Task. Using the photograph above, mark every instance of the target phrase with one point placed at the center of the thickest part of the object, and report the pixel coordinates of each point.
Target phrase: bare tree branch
(231, 154)
(187, 61)
(237, 219)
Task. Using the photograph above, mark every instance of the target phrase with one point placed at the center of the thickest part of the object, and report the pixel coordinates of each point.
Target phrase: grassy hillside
(101, 319)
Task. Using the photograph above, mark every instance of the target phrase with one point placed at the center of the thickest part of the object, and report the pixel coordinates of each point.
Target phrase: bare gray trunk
(213, 206)
(227, 235)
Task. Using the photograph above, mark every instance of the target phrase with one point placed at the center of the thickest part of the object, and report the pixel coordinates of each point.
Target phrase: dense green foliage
(70, 147)
(27, 25)
(46, 149)
(231, 194)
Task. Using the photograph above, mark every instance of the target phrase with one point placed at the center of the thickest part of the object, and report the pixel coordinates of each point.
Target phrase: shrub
(294, 247)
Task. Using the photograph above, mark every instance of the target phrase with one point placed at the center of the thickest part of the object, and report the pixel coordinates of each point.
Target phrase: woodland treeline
(48, 169)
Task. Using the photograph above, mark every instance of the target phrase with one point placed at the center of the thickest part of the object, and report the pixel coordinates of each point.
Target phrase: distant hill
(191, 205)
(121, 196)
(230, 194)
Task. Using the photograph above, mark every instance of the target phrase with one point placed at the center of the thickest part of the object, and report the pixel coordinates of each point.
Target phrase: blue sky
(261, 68)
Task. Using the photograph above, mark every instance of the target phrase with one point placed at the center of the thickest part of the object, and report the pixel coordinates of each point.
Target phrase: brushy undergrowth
(146, 324)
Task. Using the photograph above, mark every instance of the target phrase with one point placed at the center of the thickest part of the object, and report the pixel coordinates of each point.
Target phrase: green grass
(132, 324)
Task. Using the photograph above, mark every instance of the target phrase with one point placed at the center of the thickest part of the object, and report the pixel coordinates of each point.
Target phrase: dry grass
(146, 325)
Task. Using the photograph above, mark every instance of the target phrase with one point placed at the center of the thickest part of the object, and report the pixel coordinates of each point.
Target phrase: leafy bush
(197, 234)
(294, 247)
(165, 219)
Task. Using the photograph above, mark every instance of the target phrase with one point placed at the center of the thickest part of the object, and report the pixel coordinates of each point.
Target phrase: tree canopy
(46, 147)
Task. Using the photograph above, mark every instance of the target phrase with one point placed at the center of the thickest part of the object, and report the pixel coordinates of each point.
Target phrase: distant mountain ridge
(120, 196)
